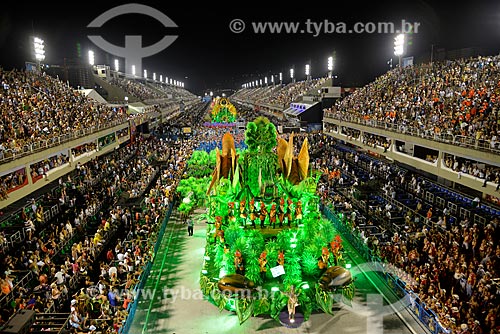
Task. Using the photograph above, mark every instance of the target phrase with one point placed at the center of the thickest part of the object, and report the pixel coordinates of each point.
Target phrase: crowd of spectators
(452, 266)
(152, 92)
(85, 148)
(11, 181)
(40, 169)
(175, 92)
(34, 107)
(48, 245)
(64, 255)
(280, 95)
(376, 141)
(293, 92)
(137, 89)
(454, 97)
(465, 166)
(253, 94)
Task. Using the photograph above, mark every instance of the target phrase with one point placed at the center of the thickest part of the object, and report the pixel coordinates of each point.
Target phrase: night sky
(212, 57)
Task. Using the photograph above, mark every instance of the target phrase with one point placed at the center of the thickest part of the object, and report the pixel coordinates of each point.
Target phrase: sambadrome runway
(173, 303)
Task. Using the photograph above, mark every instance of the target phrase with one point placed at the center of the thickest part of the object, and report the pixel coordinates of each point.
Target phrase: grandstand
(421, 127)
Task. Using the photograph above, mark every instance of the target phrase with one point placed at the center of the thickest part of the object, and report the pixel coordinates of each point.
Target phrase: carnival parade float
(223, 111)
(268, 250)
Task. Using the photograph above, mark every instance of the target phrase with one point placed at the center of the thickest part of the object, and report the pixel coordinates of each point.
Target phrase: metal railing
(447, 138)
(145, 274)
(11, 154)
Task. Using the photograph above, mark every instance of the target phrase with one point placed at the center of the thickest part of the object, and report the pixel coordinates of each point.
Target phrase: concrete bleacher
(115, 93)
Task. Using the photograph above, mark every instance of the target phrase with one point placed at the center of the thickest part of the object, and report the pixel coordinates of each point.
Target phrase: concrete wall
(114, 93)
(57, 172)
(438, 168)
(476, 155)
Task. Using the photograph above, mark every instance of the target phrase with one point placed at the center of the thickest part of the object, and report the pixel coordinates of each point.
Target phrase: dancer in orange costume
(272, 216)
(262, 214)
(323, 260)
(281, 211)
(298, 212)
(243, 212)
(238, 263)
(262, 264)
(253, 214)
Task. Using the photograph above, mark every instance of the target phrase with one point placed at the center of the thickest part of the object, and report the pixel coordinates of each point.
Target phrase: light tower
(330, 66)
(91, 58)
(399, 47)
(39, 50)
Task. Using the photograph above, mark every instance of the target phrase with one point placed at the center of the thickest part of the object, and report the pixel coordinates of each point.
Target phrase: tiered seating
(438, 101)
(36, 110)
(443, 261)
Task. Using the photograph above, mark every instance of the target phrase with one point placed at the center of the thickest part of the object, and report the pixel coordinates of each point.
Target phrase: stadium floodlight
(399, 42)
(166, 79)
(91, 58)
(260, 81)
(265, 80)
(330, 63)
(281, 77)
(161, 78)
(39, 48)
(399, 47)
(133, 70)
(272, 79)
(211, 93)
(170, 81)
(145, 74)
(117, 65)
(291, 73)
(154, 76)
(308, 69)
(182, 85)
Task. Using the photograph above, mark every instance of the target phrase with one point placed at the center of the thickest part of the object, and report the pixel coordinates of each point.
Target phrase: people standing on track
(190, 226)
